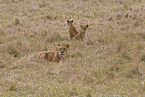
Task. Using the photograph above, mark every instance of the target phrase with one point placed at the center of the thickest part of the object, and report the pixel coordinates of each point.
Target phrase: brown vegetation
(111, 61)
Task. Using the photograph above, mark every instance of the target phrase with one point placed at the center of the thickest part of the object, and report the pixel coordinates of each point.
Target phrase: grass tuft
(109, 62)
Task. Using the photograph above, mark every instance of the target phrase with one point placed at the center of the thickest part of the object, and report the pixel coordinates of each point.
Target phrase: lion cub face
(84, 27)
(69, 22)
(62, 50)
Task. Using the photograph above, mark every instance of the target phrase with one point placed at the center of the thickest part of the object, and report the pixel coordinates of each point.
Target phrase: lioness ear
(67, 45)
(72, 21)
(87, 25)
(58, 45)
(68, 21)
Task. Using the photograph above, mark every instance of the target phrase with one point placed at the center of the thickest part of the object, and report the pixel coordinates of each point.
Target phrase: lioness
(55, 56)
(72, 30)
(82, 33)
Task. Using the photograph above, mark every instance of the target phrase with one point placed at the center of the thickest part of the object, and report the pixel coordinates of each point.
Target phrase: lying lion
(55, 56)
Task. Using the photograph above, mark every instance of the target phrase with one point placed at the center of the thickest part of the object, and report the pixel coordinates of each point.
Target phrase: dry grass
(109, 62)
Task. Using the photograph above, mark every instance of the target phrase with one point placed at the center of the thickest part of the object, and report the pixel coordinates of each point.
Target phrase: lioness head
(69, 22)
(62, 49)
(84, 27)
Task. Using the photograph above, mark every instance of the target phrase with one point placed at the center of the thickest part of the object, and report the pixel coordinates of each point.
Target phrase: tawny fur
(72, 30)
(55, 56)
(82, 33)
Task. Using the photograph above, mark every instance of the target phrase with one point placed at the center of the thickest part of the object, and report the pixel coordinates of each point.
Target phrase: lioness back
(72, 30)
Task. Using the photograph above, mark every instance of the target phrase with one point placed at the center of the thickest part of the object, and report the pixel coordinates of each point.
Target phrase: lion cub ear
(58, 45)
(67, 45)
(72, 21)
(87, 25)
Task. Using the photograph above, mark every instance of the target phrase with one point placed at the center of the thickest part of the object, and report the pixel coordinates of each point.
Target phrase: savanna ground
(109, 62)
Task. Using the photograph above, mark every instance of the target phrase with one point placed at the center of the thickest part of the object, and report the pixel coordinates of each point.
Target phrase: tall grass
(109, 62)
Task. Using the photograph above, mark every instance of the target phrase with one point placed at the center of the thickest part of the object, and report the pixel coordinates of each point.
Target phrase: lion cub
(82, 33)
(55, 56)
(72, 30)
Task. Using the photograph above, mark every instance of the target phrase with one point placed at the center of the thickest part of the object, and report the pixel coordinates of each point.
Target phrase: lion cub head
(84, 27)
(62, 49)
(69, 22)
